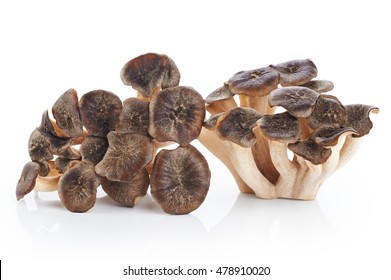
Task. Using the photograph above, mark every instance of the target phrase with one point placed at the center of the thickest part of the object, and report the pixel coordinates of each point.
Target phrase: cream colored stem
(214, 144)
(307, 181)
(47, 184)
(244, 100)
(259, 103)
(348, 149)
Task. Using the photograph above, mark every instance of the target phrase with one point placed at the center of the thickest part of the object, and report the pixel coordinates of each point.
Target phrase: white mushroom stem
(47, 184)
(349, 149)
(259, 103)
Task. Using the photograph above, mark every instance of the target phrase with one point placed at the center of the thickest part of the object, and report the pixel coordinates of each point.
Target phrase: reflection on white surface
(110, 231)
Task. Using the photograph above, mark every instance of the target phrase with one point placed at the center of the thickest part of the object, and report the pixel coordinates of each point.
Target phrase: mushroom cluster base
(298, 178)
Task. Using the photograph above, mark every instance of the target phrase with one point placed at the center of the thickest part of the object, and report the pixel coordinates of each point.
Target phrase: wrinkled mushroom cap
(237, 124)
(311, 151)
(329, 136)
(126, 193)
(180, 180)
(280, 127)
(298, 101)
(93, 149)
(222, 93)
(176, 114)
(134, 117)
(328, 111)
(77, 188)
(296, 72)
(126, 156)
(212, 121)
(358, 118)
(27, 179)
(66, 112)
(257, 82)
(149, 73)
(100, 110)
(319, 86)
(39, 146)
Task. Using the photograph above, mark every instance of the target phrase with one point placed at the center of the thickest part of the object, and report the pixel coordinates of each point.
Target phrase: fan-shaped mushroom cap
(257, 82)
(212, 121)
(77, 188)
(39, 147)
(93, 149)
(319, 86)
(358, 118)
(149, 73)
(222, 93)
(329, 136)
(126, 193)
(311, 151)
(100, 110)
(237, 124)
(328, 111)
(66, 112)
(280, 127)
(134, 117)
(298, 101)
(27, 179)
(176, 114)
(126, 156)
(180, 179)
(296, 72)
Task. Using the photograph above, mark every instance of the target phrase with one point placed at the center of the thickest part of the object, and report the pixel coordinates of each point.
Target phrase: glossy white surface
(47, 48)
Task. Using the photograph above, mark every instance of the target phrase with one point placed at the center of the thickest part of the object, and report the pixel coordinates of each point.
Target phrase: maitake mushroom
(120, 141)
(253, 143)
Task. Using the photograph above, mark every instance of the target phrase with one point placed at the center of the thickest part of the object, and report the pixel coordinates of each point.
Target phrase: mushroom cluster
(254, 142)
(120, 143)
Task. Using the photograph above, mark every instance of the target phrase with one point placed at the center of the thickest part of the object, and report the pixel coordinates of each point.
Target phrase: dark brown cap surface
(296, 72)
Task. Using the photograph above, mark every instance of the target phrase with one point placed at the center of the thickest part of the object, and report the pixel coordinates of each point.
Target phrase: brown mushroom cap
(296, 72)
(257, 82)
(237, 124)
(63, 164)
(39, 146)
(222, 93)
(27, 179)
(280, 127)
(149, 73)
(127, 155)
(176, 114)
(100, 110)
(298, 101)
(134, 117)
(66, 113)
(77, 187)
(212, 121)
(180, 180)
(329, 136)
(126, 193)
(358, 118)
(311, 151)
(93, 149)
(328, 111)
(319, 86)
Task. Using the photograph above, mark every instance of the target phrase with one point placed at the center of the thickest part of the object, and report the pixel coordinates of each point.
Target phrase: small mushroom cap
(44, 168)
(100, 110)
(298, 101)
(280, 127)
(93, 149)
(180, 180)
(66, 113)
(296, 72)
(311, 151)
(176, 114)
(237, 124)
(222, 93)
(127, 155)
(329, 136)
(134, 117)
(27, 179)
(358, 118)
(126, 193)
(39, 146)
(63, 164)
(212, 121)
(77, 187)
(319, 86)
(149, 73)
(257, 82)
(328, 111)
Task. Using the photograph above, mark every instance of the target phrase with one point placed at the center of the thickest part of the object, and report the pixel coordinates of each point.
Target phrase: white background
(47, 47)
